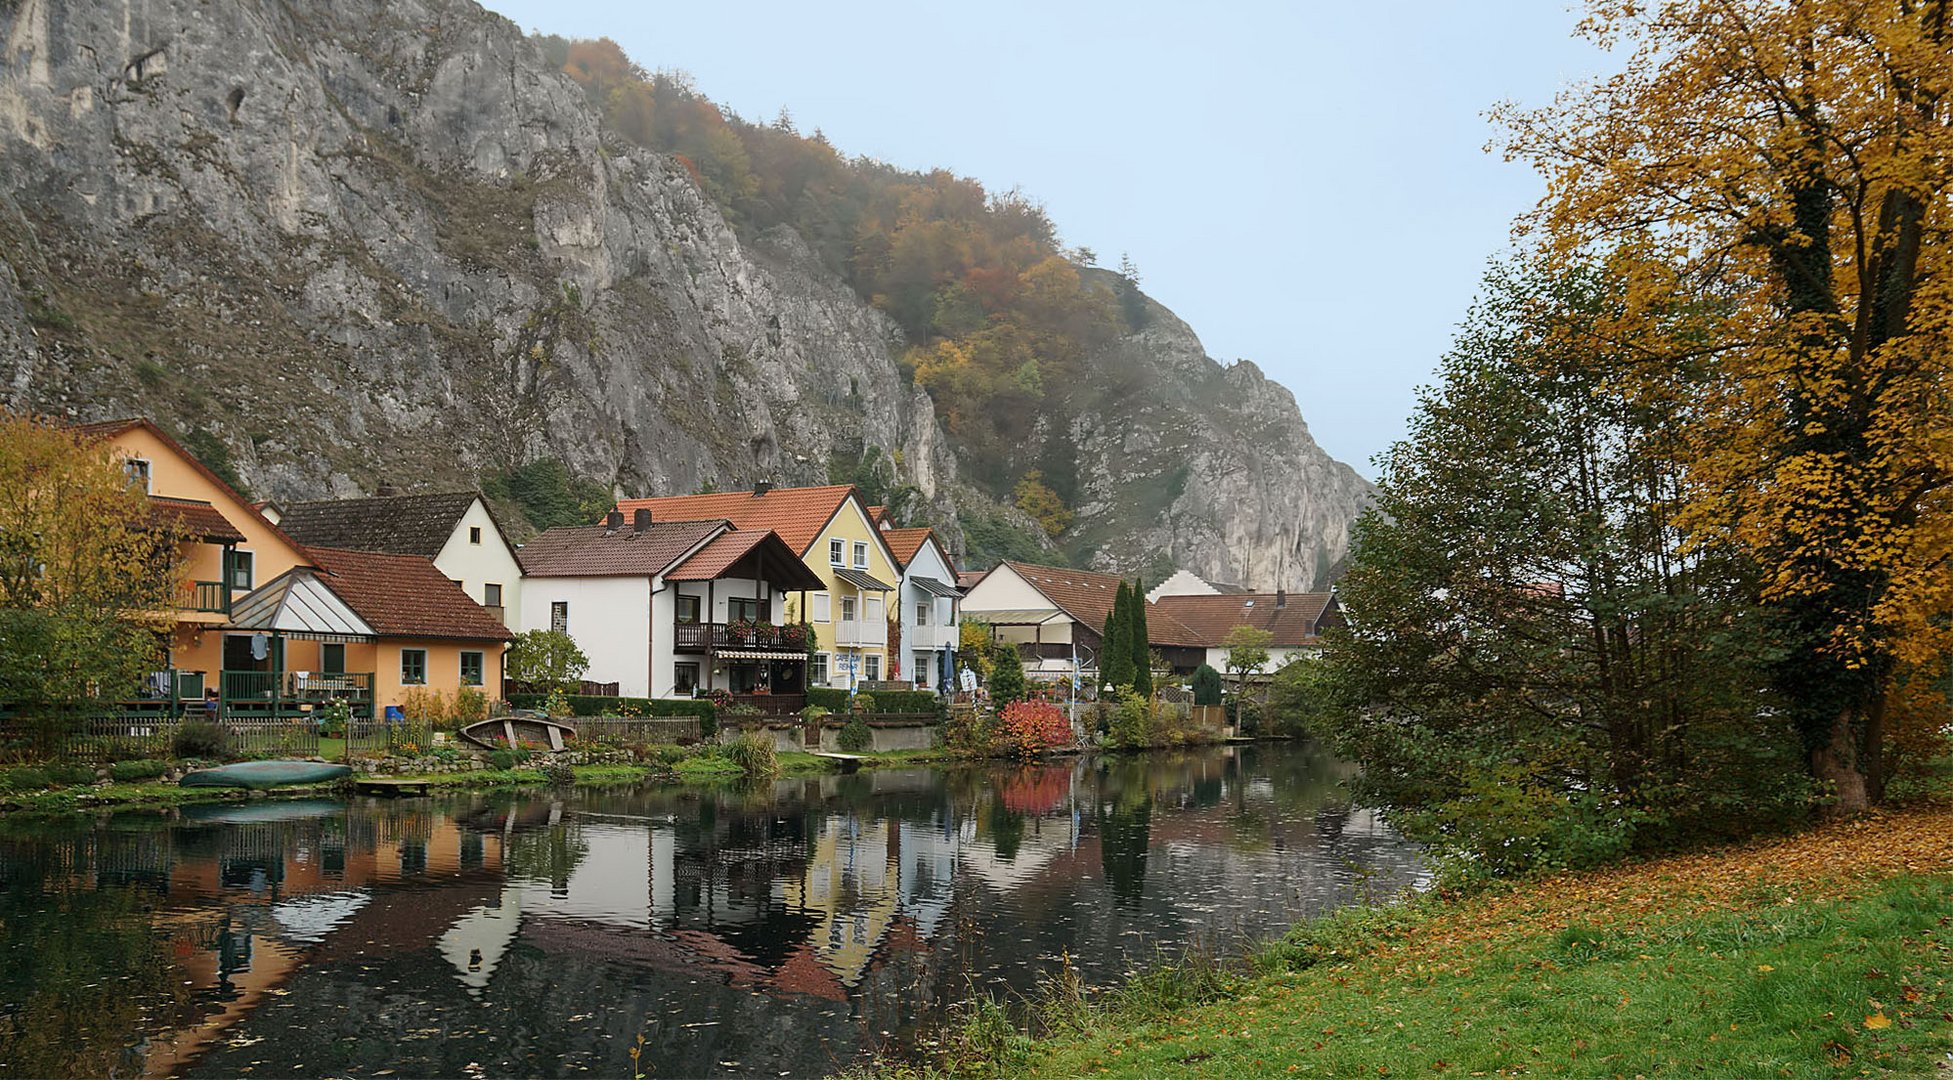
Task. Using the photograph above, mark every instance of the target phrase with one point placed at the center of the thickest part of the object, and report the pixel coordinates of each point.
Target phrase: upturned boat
(265, 774)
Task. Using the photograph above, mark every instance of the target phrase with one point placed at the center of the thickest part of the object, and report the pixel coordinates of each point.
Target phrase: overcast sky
(1306, 185)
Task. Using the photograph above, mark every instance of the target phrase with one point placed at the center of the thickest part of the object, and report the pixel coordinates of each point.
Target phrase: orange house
(250, 645)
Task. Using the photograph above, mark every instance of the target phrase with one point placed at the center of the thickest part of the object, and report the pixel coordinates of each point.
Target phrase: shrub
(557, 705)
(855, 735)
(126, 771)
(828, 698)
(815, 712)
(970, 733)
(864, 703)
(1030, 728)
(424, 708)
(1006, 676)
(470, 705)
(753, 753)
(199, 739)
(1206, 685)
(505, 759)
(1133, 723)
(333, 717)
(23, 778)
(558, 772)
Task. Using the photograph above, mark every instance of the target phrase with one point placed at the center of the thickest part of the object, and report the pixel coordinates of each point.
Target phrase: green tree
(1006, 675)
(1538, 669)
(1138, 641)
(89, 578)
(546, 658)
(1247, 651)
(1115, 656)
(1206, 685)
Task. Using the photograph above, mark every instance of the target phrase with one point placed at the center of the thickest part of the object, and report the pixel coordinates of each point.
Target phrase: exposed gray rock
(364, 242)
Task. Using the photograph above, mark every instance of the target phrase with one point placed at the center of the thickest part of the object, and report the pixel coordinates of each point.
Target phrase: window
(823, 607)
(137, 470)
(921, 669)
(243, 565)
(471, 669)
(860, 555)
(474, 534)
(834, 555)
(848, 608)
(559, 616)
(740, 607)
(491, 595)
(413, 667)
(817, 670)
(922, 612)
(874, 667)
(332, 658)
(684, 677)
(687, 608)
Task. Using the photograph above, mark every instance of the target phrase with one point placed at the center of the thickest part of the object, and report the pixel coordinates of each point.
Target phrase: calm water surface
(786, 930)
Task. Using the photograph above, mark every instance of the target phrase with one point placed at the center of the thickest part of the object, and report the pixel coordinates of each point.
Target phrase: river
(787, 929)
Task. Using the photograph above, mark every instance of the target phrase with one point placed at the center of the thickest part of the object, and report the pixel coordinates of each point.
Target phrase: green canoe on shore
(265, 774)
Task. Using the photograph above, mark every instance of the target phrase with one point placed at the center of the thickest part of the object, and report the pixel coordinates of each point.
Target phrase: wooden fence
(106, 738)
(636, 730)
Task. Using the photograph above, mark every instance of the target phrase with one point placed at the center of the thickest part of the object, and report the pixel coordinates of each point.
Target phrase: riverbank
(691, 769)
(1824, 953)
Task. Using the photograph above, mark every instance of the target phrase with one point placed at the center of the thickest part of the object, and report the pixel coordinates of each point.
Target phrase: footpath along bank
(1826, 953)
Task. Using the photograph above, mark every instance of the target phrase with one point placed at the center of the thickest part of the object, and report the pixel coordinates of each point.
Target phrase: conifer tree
(1138, 642)
(1006, 675)
(1115, 656)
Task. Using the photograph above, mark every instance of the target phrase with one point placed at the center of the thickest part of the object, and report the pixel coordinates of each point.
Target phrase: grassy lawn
(1823, 954)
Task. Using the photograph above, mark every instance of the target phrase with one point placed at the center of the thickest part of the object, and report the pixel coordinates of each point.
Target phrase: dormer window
(138, 472)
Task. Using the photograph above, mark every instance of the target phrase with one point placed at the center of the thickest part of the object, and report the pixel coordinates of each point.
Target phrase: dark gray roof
(597, 551)
(862, 581)
(394, 524)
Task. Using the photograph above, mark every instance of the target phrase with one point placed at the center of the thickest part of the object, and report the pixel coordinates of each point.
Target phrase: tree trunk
(1839, 763)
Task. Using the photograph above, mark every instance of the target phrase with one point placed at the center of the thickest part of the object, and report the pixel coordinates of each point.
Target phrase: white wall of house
(478, 564)
(1278, 657)
(611, 620)
(924, 642)
(664, 614)
(1003, 589)
(1182, 583)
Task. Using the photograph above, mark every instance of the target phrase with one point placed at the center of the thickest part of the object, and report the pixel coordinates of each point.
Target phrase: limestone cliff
(363, 242)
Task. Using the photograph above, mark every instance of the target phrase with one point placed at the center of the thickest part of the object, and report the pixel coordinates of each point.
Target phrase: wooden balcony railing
(712, 637)
(210, 596)
(251, 689)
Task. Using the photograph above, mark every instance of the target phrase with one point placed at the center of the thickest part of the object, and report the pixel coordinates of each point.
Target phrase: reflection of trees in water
(80, 971)
(1125, 821)
(549, 852)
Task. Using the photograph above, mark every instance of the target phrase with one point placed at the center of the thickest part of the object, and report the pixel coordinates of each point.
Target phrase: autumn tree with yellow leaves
(89, 578)
(1785, 163)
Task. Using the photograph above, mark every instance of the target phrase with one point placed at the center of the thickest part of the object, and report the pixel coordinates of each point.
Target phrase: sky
(1307, 185)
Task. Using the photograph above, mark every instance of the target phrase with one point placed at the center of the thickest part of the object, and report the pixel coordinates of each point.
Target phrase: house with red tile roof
(855, 612)
(675, 607)
(1293, 621)
(929, 607)
(1056, 617)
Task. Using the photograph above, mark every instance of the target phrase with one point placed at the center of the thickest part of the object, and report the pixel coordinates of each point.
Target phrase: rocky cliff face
(363, 242)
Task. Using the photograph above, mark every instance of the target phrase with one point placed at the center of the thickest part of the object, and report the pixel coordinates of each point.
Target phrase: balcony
(210, 596)
(245, 692)
(920, 638)
(857, 634)
(715, 637)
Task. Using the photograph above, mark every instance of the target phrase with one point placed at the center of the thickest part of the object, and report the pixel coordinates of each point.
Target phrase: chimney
(613, 521)
(1281, 599)
(762, 488)
(640, 519)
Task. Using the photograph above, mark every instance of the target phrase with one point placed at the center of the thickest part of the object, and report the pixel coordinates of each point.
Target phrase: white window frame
(823, 606)
(138, 468)
(922, 664)
(922, 611)
(559, 615)
(818, 671)
(246, 561)
(850, 609)
(871, 665)
(861, 554)
(836, 552)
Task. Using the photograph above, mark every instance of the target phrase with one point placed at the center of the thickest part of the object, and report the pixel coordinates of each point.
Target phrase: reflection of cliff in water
(786, 927)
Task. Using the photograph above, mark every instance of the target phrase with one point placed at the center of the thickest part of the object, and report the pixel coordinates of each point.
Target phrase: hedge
(588, 705)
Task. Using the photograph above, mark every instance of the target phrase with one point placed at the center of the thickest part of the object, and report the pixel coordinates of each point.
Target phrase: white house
(675, 608)
(455, 529)
(1293, 621)
(930, 603)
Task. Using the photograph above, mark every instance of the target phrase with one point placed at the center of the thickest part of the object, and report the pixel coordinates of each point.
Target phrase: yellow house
(832, 531)
(240, 634)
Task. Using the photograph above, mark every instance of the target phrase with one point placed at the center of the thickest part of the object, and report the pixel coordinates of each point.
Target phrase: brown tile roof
(400, 524)
(108, 429)
(1209, 618)
(193, 517)
(598, 551)
(965, 579)
(876, 514)
(405, 596)
(727, 551)
(906, 542)
(797, 514)
(1087, 597)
